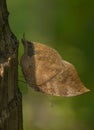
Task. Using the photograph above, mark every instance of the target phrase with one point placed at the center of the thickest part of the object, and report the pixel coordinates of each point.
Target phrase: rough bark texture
(10, 97)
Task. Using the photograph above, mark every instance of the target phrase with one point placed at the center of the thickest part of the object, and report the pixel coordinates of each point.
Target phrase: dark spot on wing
(31, 51)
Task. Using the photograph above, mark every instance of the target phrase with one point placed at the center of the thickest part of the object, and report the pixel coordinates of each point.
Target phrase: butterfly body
(45, 71)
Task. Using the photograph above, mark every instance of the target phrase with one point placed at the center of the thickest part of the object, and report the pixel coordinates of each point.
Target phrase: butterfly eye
(59, 77)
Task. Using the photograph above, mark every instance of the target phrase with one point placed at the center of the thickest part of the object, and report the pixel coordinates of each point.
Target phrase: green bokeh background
(67, 26)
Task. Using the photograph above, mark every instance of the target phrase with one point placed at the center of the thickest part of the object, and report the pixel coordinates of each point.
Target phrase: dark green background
(67, 26)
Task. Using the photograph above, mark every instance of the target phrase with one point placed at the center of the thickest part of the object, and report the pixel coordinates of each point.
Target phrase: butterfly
(45, 71)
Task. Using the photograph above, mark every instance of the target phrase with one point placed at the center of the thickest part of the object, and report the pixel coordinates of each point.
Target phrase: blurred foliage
(67, 26)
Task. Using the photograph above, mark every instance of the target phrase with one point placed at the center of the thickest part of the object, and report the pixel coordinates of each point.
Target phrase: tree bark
(10, 96)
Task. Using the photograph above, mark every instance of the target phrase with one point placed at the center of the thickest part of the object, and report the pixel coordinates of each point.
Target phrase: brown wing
(47, 63)
(45, 70)
(66, 83)
(43, 65)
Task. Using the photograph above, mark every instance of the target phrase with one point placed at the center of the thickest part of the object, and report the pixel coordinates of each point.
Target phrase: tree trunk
(10, 96)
